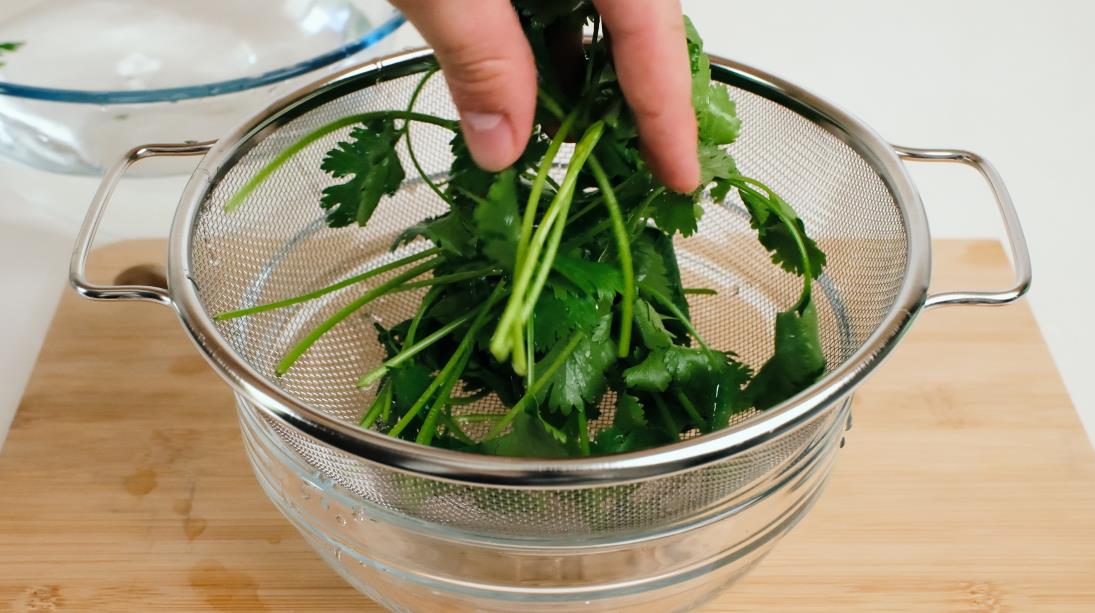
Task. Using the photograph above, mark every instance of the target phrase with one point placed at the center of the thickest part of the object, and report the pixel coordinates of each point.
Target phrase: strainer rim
(657, 462)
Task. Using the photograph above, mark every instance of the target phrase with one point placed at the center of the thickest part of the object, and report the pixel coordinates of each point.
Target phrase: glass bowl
(409, 564)
(93, 78)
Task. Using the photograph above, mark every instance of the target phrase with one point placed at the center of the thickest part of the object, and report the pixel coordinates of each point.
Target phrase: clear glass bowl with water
(93, 78)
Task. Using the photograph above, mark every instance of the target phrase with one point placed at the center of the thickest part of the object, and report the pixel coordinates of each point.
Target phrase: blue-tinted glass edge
(173, 94)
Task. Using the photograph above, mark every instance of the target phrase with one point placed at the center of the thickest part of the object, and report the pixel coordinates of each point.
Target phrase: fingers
(651, 57)
(489, 68)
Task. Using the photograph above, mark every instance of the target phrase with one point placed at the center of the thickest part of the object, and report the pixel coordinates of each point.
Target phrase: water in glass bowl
(93, 78)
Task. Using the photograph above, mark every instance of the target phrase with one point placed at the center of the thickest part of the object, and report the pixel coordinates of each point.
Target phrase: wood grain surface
(967, 483)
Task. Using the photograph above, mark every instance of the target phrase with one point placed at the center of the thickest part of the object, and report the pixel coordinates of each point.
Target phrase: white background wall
(1011, 80)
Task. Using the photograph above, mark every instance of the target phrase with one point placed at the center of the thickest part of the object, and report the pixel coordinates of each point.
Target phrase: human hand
(490, 71)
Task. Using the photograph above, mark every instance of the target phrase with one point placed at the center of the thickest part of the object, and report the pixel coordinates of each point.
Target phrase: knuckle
(479, 75)
(649, 109)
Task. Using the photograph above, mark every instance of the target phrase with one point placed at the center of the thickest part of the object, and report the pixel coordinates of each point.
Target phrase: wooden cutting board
(967, 483)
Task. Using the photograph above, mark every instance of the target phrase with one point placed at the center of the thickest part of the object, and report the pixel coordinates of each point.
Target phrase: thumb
(490, 71)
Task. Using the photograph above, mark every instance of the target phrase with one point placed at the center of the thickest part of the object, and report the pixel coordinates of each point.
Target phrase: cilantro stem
(527, 290)
(584, 211)
(273, 165)
(556, 224)
(623, 247)
(423, 306)
(429, 426)
(330, 288)
(409, 352)
(550, 104)
(450, 370)
(478, 417)
(530, 353)
(583, 431)
(528, 174)
(410, 146)
(640, 211)
(449, 278)
(691, 410)
(537, 387)
(415, 348)
(507, 339)
(537, 189)
(671, 427)
(586, 235)
(674, 311)
(418, 90)
(454, 428)
(386, 413)
(517, 344)
(592, 51)
(700, 291)
(294, 354)
(383, 397)
(411, 413)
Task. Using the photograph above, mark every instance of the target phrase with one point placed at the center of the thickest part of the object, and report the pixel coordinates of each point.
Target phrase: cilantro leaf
(715, 163)
(385, 337)
(711, 381)
(497, 220)
(594, 278)
(370, 158)
(448, 231)
(721, 190)
(528, 438)
(796, 363)
(700, 65)
(674, 212)
(629, 413)
(718, 120)
(558, 315)
(465, 176)
(650, 375)
(655, 262)
(452, 305)
(716, 115)
(777, 237)
(652, 330)
(581, 380)
(615, 439)
(408, 383)
(687, 363)
(650, 267)
(550, 321)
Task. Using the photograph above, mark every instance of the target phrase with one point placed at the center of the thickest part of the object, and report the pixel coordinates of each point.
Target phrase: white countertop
(1010, 80)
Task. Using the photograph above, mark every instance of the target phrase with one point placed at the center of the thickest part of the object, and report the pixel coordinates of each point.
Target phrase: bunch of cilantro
(549, 296)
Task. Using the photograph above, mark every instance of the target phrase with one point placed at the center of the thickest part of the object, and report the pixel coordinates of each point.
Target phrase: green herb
(8, 48)
(551, 295)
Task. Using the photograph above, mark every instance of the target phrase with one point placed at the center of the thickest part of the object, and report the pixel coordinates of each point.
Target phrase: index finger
(651, 58)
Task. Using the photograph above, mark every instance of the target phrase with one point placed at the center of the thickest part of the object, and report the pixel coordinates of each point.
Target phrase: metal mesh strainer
(847, 184)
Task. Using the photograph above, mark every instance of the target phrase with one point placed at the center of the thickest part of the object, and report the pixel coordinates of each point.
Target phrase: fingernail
(482, 122)
(490, 139)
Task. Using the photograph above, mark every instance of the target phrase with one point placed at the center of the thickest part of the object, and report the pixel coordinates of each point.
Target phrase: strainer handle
(1020, 256)
(86, 237)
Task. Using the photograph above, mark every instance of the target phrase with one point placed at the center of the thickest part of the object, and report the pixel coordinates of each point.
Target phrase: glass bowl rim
(205, 90)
